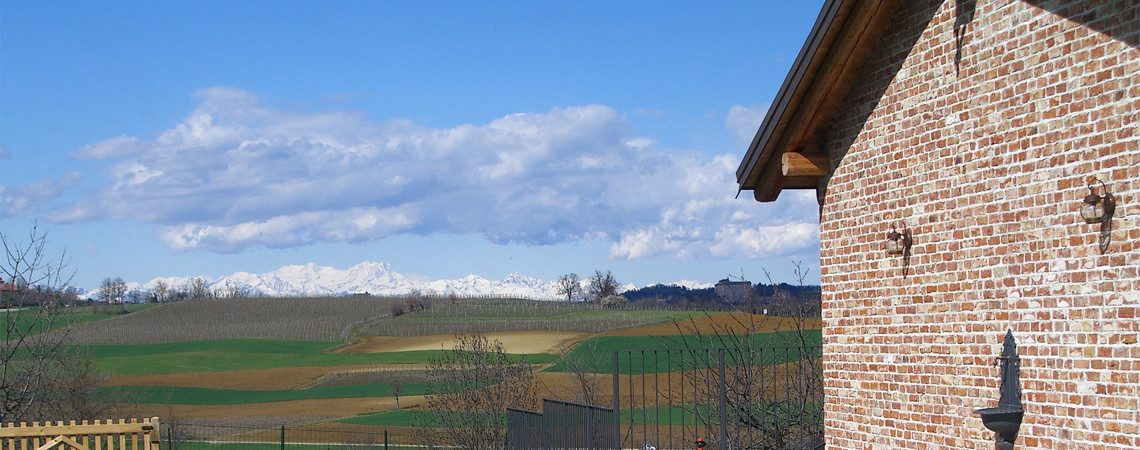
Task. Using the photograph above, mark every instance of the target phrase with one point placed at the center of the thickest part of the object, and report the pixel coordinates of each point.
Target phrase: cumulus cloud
(236, 173)
(744, 121)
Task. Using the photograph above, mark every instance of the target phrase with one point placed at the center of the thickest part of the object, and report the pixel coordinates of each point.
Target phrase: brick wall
(978, 126)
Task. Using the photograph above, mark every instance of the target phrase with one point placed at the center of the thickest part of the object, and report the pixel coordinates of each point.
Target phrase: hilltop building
(735, 292)
(951, 145)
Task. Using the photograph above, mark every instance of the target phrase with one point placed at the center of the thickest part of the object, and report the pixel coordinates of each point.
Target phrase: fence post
(169, 437)
(723, 402)
(589, 428)
(385, 439)
(617, 404)
(282, 437)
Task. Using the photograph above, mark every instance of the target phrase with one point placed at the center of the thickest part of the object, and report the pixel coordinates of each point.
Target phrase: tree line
(115, 291)
(773, 298)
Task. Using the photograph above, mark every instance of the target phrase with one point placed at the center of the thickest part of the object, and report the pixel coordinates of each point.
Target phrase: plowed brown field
(253, 380)
(717, 323)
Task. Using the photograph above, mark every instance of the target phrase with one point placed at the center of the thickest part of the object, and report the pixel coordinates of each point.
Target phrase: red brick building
(976, 128)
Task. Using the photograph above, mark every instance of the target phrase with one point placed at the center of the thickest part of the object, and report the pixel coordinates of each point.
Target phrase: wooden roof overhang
(785, 154)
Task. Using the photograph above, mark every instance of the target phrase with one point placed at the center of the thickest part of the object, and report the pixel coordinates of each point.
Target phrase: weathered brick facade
(979, 126)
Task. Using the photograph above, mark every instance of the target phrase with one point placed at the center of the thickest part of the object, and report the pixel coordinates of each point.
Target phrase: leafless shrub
(471, 387)
(43, 377)
(589, 380)
(759, 414)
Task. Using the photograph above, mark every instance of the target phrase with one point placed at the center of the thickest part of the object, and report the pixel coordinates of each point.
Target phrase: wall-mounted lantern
(898, 243)
(1099, 209)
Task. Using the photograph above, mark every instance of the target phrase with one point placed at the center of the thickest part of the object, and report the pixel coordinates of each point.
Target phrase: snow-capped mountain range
(369, 277)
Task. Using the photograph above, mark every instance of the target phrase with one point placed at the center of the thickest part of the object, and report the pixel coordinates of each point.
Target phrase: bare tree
(161, 291)
(569, 285)
(759, 349)
(198, 289)
(42, 378)
(396, 385)
(602, 285)
(113, 289)
(470, 388)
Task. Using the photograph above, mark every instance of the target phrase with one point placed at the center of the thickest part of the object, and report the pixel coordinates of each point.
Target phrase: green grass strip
(248, 354)
(400, 418)
(596, 354)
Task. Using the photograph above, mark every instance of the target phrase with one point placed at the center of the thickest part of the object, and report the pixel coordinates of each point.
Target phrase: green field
(247, 354)
(228, 335)
(649, 352)
(399, 418)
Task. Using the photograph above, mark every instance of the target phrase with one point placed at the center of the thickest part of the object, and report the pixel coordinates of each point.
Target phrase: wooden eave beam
(795, 164)
(760, 152)
(834, 78)
(828, 78)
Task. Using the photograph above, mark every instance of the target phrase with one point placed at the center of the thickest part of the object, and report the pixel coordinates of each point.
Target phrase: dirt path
(254, 380)
(299, 410)
(517, 342)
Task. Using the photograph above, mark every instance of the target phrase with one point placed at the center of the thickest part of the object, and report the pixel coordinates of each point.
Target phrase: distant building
(735, 292)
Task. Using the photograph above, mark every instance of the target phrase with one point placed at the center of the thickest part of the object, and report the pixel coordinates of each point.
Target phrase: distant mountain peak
(376, 278)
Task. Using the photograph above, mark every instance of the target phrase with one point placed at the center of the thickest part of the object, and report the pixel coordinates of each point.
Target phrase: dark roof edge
(752, 158)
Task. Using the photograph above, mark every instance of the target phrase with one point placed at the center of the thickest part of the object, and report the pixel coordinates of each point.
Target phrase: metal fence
(562, 425)
(732, 398)
(524, 429)
(204, 436)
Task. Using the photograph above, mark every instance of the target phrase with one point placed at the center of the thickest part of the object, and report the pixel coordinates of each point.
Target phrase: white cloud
(744, 121)
(110, 148)
(236, 173)
(26, 199)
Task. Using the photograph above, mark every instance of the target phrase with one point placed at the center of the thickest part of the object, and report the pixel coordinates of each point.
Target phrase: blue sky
(446, 138)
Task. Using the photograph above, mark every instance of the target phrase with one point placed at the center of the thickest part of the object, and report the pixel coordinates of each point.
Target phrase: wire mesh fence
(201, 436)
(733, 398)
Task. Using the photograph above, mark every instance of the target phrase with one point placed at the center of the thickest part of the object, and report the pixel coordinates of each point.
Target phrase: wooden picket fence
(106, 435)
